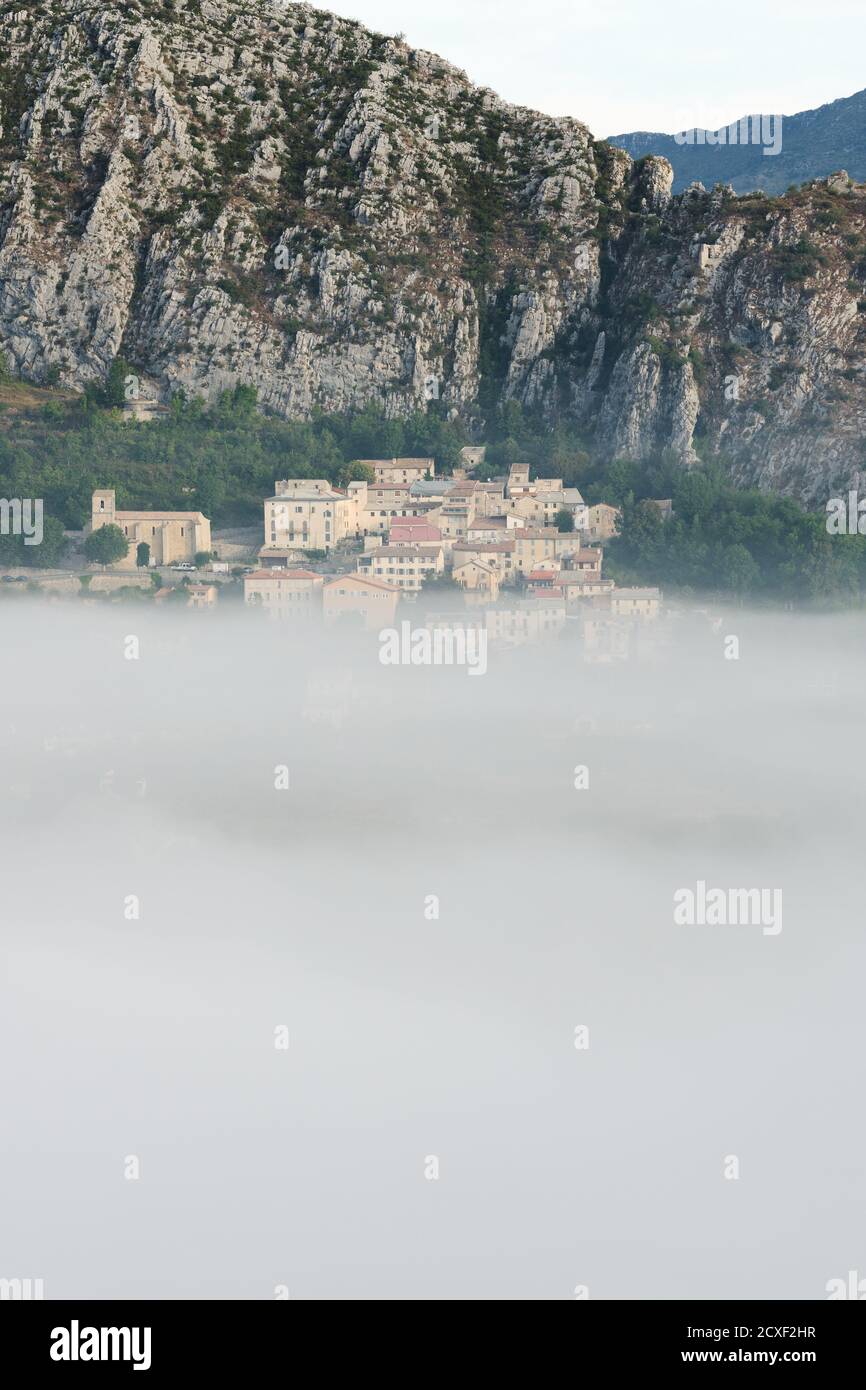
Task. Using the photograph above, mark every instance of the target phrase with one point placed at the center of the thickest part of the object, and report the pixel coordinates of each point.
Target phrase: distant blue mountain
(813, 144)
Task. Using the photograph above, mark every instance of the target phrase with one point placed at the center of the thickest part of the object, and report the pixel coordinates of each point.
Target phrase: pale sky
(641, 64)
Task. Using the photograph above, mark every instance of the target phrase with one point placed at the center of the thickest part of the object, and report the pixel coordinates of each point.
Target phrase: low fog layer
(411, 1035)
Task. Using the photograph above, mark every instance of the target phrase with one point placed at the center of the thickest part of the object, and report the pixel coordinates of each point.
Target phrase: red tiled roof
(360, 579)
(485, 547)
(413, 529)
(159, 516)
(276, 573)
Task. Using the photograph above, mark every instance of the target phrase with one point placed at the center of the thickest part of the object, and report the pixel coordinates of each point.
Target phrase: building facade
(480, 581)
(171, 536)
(310, 514)
(406, 567)
(201, 596)
(602, 522)
(353, 597)
(635, 603)
(285, 595)
(397, 471)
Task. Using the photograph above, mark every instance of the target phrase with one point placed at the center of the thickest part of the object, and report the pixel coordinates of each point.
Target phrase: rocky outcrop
(276, 196)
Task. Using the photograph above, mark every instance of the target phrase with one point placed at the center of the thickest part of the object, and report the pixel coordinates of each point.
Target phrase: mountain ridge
(815, 143)
(233, 193)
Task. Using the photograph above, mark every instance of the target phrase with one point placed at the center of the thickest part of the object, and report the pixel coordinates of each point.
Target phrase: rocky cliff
(222, 192)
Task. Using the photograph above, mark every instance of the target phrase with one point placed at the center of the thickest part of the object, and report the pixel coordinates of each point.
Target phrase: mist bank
(459, 899)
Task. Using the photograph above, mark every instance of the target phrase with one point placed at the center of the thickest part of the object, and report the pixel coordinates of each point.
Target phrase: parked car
(184, 565)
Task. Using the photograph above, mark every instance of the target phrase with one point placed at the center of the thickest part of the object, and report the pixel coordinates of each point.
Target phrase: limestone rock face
(649, 408)
(268, 194)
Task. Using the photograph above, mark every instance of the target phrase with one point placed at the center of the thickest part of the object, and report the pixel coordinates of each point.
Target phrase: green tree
(695, 495)
(115, 383)
(106, 546)
(53, 544)
(15, 551)
(238, 404)
(142, 555)
(638, 551)
(739, 572)
(564, 520)
(202, 558)
(622, 481)
(211, 490)
(12, 550)
(356, 472)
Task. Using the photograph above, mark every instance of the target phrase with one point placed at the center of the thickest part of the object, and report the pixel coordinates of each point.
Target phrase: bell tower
(102, 509)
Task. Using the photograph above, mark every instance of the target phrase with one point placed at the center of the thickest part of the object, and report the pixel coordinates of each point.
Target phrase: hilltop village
(519, 558)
